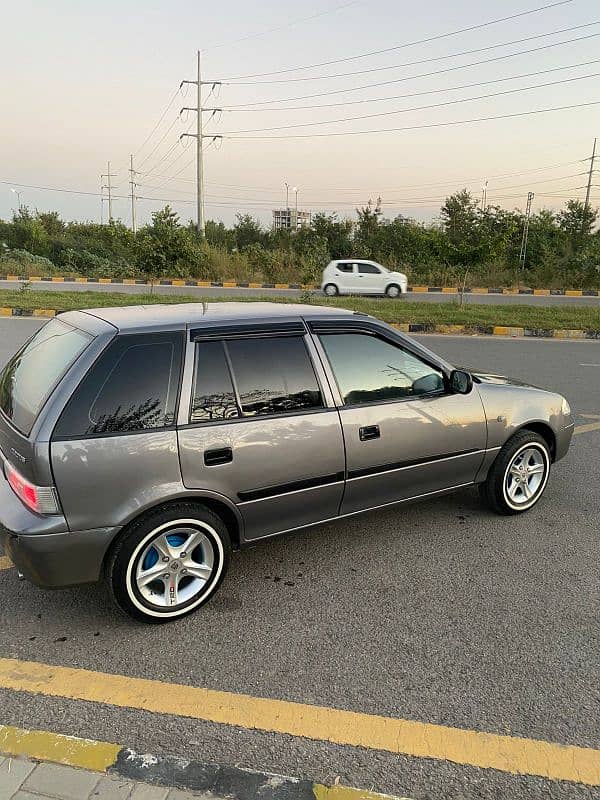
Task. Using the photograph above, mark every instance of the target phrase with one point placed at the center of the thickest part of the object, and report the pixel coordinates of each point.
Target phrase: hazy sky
(83, 83)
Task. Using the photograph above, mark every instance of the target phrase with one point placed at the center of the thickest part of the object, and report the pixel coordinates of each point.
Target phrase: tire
(393, 291)
(514, 493)
(331, 290)
(147, 544)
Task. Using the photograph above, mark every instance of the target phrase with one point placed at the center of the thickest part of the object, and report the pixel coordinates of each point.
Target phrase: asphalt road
(426, 297)
(439, 612)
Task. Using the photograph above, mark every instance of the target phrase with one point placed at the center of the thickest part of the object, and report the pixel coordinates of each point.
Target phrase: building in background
(290, 219)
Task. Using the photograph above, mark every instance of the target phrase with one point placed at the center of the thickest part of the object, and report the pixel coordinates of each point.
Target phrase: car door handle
(222, 456)
(369, 432)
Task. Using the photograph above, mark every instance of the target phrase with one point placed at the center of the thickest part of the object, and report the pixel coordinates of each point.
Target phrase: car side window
(133, 386)
(368, 269)
(273, 375)
(213, 396)
(345, 266)
(371, 370)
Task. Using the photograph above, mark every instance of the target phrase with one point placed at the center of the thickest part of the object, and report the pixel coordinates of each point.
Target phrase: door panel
(424, 445)
(285, 471)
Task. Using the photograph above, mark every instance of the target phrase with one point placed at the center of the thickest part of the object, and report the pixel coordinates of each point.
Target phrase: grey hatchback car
(141, 445)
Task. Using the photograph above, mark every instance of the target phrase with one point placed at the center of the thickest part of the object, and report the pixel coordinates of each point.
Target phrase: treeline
(466, 243)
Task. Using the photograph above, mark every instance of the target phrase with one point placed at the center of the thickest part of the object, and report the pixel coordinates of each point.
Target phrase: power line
(412, 94)
(415, 127)
(418, 61)
(415, 108)
(284, 27)
(163, 115)
(422, 74)
(406, 44)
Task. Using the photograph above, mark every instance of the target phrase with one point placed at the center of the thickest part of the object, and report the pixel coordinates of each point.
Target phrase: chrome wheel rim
(174, 566)
(526, 476)
(393, 291)
(330, 291)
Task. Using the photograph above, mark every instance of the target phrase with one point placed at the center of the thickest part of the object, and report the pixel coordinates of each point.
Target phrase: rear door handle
(369, 432)
(214, 457)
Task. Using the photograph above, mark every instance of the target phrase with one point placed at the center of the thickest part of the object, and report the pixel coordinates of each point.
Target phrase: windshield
(31, 375)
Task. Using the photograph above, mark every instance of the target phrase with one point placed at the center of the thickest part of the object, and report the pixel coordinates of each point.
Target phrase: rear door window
(132, 387)
(213, 397)
(33, 373)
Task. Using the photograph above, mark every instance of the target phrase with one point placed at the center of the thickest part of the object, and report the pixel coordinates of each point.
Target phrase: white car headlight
(566, 408)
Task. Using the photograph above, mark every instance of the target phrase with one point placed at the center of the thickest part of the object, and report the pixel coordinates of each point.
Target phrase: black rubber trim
(361, 473)
(293, 328)
(293, 486)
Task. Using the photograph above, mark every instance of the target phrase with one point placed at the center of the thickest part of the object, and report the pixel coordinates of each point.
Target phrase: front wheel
(169, 563)
(518, 476)
(393, 291)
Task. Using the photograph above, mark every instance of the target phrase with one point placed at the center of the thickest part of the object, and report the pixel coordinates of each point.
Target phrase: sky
(84, 84)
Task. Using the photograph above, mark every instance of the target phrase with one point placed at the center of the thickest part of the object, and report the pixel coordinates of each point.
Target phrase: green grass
(527, 316)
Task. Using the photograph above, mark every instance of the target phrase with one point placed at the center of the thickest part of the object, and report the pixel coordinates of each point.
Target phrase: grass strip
(450, 313)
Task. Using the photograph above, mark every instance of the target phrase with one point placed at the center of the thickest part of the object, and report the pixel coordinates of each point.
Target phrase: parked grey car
(141, 445)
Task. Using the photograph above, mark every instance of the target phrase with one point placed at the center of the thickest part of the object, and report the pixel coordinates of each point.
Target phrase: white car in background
(354, 276)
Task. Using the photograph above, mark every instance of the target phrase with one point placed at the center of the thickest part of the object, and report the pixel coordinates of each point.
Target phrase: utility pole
(589, 185)
(199, 136)
(108, 175)
(525, 237)
(484, 196)
(133, 185)
(287, 195)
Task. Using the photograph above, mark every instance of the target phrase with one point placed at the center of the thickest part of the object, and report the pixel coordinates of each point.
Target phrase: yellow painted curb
(449, 329)
(510, 291)
(573, 293)
(44, 312)
(5, 312)
(569, 334)
(255, 285)
(541, 292)
(178, 282)
(104, 280)
(81, 280)
(282, 286)
(68, 750)
(449, 290)
(419, 289)
(510, 754)
(32, 278)
(12, 277)
(502, 330)
(58, 280)
(229, 284)
(128, 281)
(479, 290)
(203, 283)
(338, 792)
(5, 563)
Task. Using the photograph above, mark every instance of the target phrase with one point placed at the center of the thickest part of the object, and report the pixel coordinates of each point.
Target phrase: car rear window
(33, 373)
(132, 387)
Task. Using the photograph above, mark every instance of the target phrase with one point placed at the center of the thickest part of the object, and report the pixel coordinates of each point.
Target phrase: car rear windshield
(32, 374)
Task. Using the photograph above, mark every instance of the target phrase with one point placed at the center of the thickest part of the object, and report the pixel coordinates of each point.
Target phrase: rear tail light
(41, 499)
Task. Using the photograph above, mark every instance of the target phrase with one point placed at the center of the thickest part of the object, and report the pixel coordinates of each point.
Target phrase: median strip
(400, 736)
(216, 780)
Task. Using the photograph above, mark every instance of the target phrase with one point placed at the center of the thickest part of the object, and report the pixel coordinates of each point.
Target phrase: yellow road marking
(592, 426)
(46, 746)
(338, 792)
(407, 737)
(5, 562)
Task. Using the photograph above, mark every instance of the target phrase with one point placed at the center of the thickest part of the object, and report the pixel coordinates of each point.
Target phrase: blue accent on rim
(174, 539)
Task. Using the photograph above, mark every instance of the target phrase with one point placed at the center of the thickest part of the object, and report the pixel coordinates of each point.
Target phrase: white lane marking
(589, 365)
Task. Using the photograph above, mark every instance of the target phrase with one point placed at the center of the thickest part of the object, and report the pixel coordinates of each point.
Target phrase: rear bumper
(44, 550)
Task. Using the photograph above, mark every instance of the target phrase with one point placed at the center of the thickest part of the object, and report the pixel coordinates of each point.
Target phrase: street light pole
(295, 189)
(18, 193)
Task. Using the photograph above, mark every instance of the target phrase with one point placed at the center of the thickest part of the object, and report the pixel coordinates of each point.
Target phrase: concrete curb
(306, 286)
(405, 327)
(169, 772)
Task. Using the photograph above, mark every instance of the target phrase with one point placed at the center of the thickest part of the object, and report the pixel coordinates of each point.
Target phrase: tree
(247, 231)
(577, 220)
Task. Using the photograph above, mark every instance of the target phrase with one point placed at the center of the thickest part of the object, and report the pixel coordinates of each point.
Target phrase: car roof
(181, 315)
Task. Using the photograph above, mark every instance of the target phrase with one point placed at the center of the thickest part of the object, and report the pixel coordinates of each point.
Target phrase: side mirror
(461, 382)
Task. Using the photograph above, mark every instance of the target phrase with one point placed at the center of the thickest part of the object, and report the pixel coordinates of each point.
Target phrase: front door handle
(222, 456)
(369, 432)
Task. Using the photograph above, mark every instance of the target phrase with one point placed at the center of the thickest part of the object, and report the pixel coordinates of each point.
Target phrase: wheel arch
(544, 430)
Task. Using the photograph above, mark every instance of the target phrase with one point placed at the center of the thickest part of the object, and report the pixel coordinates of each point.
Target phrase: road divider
(213, 779)
(514, 755)
(226, 284)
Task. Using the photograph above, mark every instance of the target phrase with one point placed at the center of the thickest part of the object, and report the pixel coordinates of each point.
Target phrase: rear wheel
(169, 563)
(393, 290)
(331, 290)
(519, 475)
